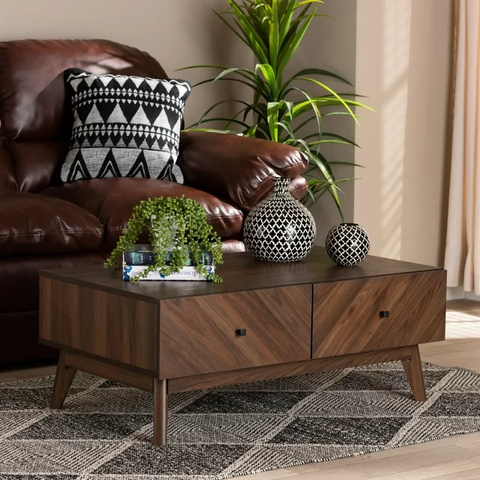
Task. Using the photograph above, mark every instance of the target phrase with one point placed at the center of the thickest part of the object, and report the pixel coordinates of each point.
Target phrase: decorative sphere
(347, 244)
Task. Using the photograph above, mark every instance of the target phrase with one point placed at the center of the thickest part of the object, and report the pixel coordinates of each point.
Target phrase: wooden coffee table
(265, 321)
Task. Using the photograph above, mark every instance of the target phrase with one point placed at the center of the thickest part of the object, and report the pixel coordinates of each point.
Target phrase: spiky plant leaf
(274, 30)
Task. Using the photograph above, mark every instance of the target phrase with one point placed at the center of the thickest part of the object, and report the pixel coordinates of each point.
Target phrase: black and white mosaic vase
(347, 244)
(279, 228)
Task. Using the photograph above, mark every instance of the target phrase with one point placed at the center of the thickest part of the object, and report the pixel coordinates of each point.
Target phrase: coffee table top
(240, 272)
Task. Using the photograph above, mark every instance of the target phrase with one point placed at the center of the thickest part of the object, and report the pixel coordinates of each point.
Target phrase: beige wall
(176, 32)
(398, 53)
(404, 65)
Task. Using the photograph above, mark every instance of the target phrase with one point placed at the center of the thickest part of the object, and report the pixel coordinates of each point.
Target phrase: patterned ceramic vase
(347, 244)
(280, 228)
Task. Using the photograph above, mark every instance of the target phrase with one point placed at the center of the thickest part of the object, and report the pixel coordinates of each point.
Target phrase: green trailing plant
(283, 109)
(178, 229)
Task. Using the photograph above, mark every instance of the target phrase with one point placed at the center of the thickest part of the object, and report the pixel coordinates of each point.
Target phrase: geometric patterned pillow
(124, 126)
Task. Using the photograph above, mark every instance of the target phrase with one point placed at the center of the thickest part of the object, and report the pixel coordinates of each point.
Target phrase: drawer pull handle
(241, 332)
(384, 314)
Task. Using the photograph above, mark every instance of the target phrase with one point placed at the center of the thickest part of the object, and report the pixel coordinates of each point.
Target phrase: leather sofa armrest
(238, 169)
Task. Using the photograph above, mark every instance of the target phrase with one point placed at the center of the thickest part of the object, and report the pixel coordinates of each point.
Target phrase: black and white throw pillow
(124, 126)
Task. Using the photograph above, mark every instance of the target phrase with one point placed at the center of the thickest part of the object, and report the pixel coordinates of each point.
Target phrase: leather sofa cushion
(19, 277)
(7, 180)
(37, 164)
(36, 224)
(33, 109)
(112, 200)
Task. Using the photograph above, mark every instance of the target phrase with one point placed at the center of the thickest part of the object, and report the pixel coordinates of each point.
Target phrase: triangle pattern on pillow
(109, 167)
(129, 109)
(140, 118)
(94, 116)
(82, 112)
(107, 108)
(167, 170)
(139, 168)
(124, 126)
(78, 169)
(117, 115)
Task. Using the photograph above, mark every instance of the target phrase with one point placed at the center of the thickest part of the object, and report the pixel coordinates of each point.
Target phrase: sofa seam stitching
(51, 233)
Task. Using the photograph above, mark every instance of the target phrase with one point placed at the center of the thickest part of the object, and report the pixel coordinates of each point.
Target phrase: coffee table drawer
(99, 323)
(203, 334)
(351, 316)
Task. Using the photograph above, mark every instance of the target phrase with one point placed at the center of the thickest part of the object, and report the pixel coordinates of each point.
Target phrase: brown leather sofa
(46, 224)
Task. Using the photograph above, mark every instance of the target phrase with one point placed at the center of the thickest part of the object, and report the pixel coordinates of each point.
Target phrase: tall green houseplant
(283, 109)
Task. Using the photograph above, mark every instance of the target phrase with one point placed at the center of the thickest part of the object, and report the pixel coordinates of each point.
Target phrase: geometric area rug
(104, 430)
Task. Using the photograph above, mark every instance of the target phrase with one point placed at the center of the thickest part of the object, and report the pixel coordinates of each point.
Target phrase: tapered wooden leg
(413, 369)
(160, 412)
(63, 380)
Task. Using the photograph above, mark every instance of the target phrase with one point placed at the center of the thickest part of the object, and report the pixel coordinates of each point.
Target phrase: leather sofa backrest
(35, 118)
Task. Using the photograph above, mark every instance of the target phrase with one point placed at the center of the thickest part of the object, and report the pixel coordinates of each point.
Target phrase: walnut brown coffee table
(265, 321)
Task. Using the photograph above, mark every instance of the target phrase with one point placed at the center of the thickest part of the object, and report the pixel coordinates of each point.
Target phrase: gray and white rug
(105, 429)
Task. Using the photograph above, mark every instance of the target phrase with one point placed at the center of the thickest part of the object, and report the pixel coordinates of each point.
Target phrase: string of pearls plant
(177, 226)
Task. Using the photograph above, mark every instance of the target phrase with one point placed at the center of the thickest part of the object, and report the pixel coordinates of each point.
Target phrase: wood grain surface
(100, 323)
(287, 370)
(110, 372)
(198, 334)
(414, 372)
(346, 315)
(240, 272)
(160, 412)
(63, 379)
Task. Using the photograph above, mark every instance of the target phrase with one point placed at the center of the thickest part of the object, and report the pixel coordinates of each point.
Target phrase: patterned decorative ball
(347, 244)
(279, 228)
